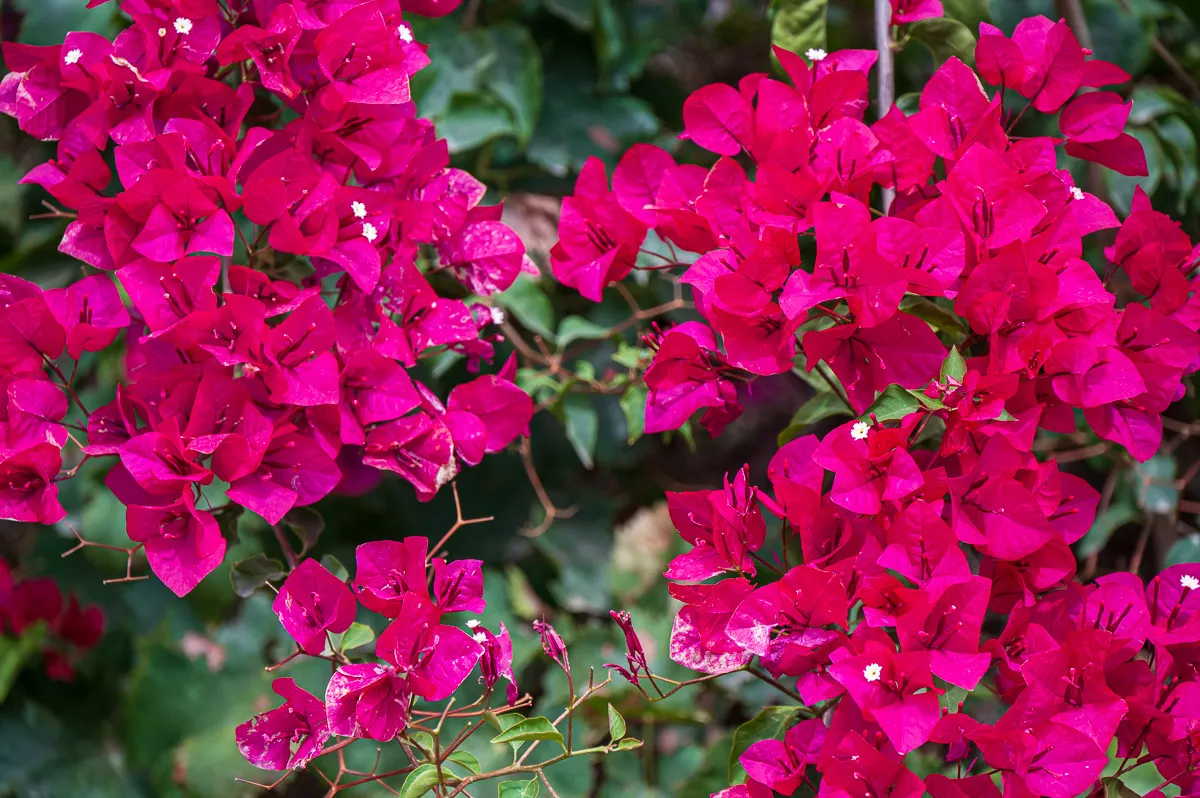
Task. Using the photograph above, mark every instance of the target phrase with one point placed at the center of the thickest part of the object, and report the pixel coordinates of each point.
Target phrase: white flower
(479, 637)
(872, 672)
(73, 56)
(1190, 582)
(183, 26)
(162, 32)
(860, 430)
(369, 231)
(497, 315)
(472, 623)
(405, 34)
(815, 55)
(1077, 192)
(359, 209)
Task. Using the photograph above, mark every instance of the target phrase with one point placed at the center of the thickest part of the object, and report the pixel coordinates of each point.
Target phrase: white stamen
(360, 210)
(162, 32)
(1190, 582)
(1077, 192)
(369, 232)
(860, 431)
(73, 56)
(479, 637)
(873, 672)
(472, 623)
(815, 54)
(405, 34)
(183, 26)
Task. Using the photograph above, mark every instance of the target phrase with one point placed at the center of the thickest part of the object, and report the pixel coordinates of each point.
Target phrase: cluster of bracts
(64, 628)
(874, 603)
(270, 277)
(423, 658)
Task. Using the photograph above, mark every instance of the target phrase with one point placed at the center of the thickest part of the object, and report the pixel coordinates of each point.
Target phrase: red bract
(897, 538)
(261, 382)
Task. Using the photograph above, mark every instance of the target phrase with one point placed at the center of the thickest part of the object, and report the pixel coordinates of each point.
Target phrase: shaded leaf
(769, 724)
(308, 525)
(799, 25)
(516, 76)
(1109, 521)
(577, 328)
(527, 300)
(633, 404)
(254, 572)
(1184, 550)
(946, 38)
(583, 426)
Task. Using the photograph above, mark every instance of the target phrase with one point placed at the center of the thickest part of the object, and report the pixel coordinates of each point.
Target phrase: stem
(887, 78)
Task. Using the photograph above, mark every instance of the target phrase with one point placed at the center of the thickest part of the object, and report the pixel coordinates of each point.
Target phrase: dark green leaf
(583, 426)
(820, 407)
(254, 572)
(334, 566)
(16, 651)
(1185, 550)
(308, 525)
(953, 366)
(769, 724)
(577, 12)
(799, 25)
(968, 12)
(633, 405)
(1109, 521)
(420, 781)
(894, 403)
(942, 320)
(1115, 788)
(946, 38)
(616, 723)
(526, 300)
(518, 789)
(530, 729)
(471, 120)
(577, 328)
(516, 76)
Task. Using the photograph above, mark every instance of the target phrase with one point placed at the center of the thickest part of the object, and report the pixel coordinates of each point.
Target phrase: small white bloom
(162, 32)
(1190, 582)
(479, 637)
(497, 315)
(183, 26)
(369, 231)
(860, 430)
(405, 34)
(472, 623)
(873, 672)
(815, 55)
(1077, 192)
(73, 56)
(359, 209)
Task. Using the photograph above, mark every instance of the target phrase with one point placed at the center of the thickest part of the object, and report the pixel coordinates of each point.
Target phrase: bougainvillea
(266, 251)
(929, 268)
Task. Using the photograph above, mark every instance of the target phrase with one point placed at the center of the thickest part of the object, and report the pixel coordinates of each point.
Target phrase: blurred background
(525, 91)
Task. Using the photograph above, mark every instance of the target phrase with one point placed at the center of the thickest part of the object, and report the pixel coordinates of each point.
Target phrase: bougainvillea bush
(928, 267)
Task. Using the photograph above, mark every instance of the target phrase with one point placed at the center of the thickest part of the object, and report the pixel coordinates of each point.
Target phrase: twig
(459, 522)
(552, 512)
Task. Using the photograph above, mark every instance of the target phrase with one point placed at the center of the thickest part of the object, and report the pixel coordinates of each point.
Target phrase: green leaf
(472, 120)
(518, 789)
(576, 12)
(628, 744)
(503, 723)
(466, 760)
(633, 405)
(308, 525)
(420, 781)
(894, 403)
(820, 407)
(16, 651)
(516, 76)
(334, 566)
(968, 12)
(952, 696)
(527, 300)
(631, 357)
(1109, 521)
(1115, 788)
(942, 320)
(254, 572)
(799, 25)
(357, 636)
(1185, 550)
(953, 366)
(577, 328)
(1155, 481)
(769, 724)
(946, 38)
(530, 729)
(616, 723)
(423, 741)
(583, 426)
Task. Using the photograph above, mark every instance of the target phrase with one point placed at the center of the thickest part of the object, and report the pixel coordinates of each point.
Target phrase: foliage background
(525, 91)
